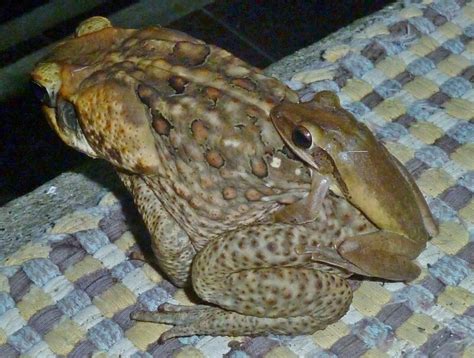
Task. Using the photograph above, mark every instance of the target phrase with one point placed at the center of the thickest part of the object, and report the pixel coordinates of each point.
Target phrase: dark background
(260, 32)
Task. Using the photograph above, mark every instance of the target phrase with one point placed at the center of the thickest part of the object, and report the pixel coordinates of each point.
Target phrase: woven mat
(409, 76)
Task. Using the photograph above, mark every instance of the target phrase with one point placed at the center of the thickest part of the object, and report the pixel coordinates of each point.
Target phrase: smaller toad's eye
(41, 93)
(302, 137)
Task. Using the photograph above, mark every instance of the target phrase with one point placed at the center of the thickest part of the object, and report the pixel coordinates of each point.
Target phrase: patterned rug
(410, 77)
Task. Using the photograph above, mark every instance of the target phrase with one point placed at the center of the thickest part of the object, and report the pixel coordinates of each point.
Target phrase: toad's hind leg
(261, 285)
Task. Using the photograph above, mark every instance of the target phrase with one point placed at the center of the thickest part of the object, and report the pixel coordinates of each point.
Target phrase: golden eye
(66, 114)
(302, 137)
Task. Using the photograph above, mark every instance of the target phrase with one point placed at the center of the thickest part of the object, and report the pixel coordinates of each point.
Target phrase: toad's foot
(206, 320)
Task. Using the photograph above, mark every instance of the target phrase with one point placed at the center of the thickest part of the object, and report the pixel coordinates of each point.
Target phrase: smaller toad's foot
(329, 256)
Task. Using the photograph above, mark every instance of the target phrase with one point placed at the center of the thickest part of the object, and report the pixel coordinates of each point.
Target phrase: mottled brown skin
(187, 127)
(335, 144)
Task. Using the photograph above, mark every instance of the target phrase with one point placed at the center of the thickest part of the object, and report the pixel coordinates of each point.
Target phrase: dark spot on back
(190, 54)
(178, 84)
(160, 123)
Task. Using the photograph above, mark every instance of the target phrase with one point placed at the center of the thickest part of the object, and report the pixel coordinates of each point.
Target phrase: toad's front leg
(261, 285)
(170, 244)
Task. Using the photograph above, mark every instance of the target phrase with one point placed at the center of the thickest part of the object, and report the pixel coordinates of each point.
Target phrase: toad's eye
(302, 137)
(41, 93)
(66, 113)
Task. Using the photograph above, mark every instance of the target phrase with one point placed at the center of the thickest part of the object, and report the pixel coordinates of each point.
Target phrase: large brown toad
(187, 127)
